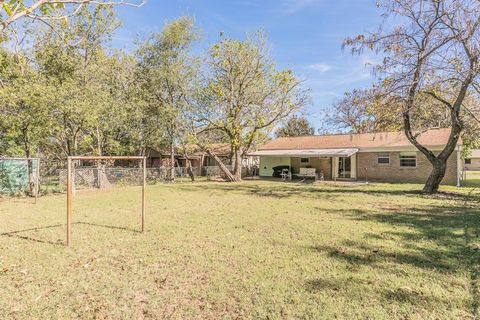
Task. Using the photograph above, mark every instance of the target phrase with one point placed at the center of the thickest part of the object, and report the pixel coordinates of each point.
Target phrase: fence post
(143, 192)
(69, 200)
(37, 180)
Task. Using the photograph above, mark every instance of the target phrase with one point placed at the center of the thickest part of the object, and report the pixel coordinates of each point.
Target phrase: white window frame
(383, 155)
(409, 156)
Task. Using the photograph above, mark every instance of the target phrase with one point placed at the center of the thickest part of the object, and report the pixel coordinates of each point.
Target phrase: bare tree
(433, 51)
(168, 74)
(370, 110)
(47, 10)
(363, 110)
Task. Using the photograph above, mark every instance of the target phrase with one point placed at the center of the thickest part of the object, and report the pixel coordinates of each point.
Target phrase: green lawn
(472, 178)
(252, 250)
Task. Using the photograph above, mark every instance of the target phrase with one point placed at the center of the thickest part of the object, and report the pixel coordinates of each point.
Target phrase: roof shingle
(433, 137)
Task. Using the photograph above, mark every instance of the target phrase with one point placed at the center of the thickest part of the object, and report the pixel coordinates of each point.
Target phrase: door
(345, 167)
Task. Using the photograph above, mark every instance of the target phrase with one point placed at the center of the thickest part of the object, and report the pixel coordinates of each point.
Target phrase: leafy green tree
(87, 93)
(69, 95)
(81, 75)
(25, 121)
(295, 126)
(168, 73)
(246, 96)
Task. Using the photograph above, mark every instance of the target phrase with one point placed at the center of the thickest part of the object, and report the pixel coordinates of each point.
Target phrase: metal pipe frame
(70, 181)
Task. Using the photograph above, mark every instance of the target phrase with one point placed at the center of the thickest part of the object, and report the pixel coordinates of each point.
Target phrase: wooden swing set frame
(70, 182)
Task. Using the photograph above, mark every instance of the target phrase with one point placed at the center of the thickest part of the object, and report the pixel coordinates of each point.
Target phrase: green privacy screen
(14, 174)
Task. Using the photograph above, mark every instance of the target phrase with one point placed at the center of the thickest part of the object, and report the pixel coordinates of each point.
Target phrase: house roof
(347, 152)
(220, 149)
(433, 137)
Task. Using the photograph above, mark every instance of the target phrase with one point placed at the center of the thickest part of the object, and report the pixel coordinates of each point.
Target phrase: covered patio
(331, 164)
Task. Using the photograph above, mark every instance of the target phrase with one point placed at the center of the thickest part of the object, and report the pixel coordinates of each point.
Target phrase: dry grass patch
(250, 250)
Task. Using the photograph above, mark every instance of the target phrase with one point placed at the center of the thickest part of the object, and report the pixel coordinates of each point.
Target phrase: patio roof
(346, 152)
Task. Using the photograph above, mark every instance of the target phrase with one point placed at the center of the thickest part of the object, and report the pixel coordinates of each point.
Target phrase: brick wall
(392, 172)
(320, 164)
(474, 165)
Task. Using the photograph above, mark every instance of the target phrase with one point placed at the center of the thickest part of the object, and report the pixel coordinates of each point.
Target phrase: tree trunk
(172, 163)
(202, 159)
(101, 179)
(222, 166)
(189, 167)
(436, 176)
(31, 183)
(439, 162)
(237, 170)
(231, 159)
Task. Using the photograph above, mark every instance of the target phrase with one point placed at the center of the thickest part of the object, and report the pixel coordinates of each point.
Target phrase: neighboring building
(197, 157)
(382, 156)
(202, 163)
(473, 161)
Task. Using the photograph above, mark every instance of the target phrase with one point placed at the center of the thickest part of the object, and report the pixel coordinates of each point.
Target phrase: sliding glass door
(345, 167)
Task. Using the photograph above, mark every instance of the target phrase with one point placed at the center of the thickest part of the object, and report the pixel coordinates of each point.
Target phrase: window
(468, 161)
(304, 160)
(383, 158)
(408, 159)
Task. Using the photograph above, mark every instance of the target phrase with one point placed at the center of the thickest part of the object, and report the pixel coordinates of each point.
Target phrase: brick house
(473, 160)
(198, 158)
(381, 156)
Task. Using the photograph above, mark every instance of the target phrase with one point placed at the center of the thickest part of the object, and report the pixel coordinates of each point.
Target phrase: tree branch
(29, 11)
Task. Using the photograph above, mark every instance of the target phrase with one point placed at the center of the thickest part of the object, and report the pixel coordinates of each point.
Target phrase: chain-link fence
(164, 174)
(53, 176)
(102, 177)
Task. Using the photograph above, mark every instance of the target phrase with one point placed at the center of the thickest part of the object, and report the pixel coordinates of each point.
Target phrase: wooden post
(69, 200)
(143, 191)
(37, 180)
(71, 184)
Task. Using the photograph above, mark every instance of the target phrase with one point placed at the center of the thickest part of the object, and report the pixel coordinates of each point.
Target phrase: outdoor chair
(320, 176)
(286, 174)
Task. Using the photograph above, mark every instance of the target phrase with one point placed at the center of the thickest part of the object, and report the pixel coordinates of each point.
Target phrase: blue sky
(305, 35)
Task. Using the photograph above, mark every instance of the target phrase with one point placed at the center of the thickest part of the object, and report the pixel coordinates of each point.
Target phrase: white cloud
(320, 67)
(292, 6)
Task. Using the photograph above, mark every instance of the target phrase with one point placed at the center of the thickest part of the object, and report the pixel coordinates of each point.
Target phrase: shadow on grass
(59, 242)
(288, 189)
(360, 255)
(437, 239)
(321, 284)
(108, 226)
(16, 234)
(402, 294)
